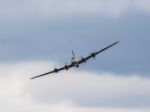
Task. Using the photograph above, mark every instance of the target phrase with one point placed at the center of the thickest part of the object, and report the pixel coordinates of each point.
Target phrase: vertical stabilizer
(73, 54)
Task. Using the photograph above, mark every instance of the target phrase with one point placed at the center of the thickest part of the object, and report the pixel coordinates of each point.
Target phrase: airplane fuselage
(75, 62)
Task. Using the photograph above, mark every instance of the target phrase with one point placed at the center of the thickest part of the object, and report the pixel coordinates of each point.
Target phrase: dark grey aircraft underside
(75, 62)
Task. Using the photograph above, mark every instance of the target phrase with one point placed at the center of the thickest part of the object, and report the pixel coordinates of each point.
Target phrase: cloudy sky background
(37, 35)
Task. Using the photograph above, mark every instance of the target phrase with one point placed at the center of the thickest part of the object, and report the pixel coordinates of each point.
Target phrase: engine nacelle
(66, 67)
(84, 60)
(93, 55)
(55, 70)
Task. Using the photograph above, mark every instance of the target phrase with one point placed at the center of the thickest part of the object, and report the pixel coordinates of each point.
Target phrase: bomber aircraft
(75, 62)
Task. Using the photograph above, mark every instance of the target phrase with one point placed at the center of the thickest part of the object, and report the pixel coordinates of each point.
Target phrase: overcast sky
(37, 35)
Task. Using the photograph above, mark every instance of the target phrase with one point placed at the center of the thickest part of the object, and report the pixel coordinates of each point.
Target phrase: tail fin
(73, 54)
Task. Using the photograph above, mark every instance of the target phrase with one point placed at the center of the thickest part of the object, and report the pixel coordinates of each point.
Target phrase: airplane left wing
(43, 74)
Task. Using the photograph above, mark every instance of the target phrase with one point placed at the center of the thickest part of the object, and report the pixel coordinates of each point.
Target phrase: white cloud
(92, 89)
(65, 7)
(70, 91)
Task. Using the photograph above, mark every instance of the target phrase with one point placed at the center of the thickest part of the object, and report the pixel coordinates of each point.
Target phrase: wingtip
(117, 42)
(31, 78)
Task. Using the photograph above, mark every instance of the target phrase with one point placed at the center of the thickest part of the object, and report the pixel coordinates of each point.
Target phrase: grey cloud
(15, 8)
(54, 38)
(30, 32)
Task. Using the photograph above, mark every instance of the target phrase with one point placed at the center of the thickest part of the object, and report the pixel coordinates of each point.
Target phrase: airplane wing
(95, 53)
(66, 67)
(43, 74)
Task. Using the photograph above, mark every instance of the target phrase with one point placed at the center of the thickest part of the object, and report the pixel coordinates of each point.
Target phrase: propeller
(55, 69)
(83, 59)
(93, 55)
(66, 66)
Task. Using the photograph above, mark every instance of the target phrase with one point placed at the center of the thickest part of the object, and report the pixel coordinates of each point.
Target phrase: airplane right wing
(95, 53)
(106, 48)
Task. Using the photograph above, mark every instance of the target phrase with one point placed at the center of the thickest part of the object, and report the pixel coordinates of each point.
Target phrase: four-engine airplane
(75, 62)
